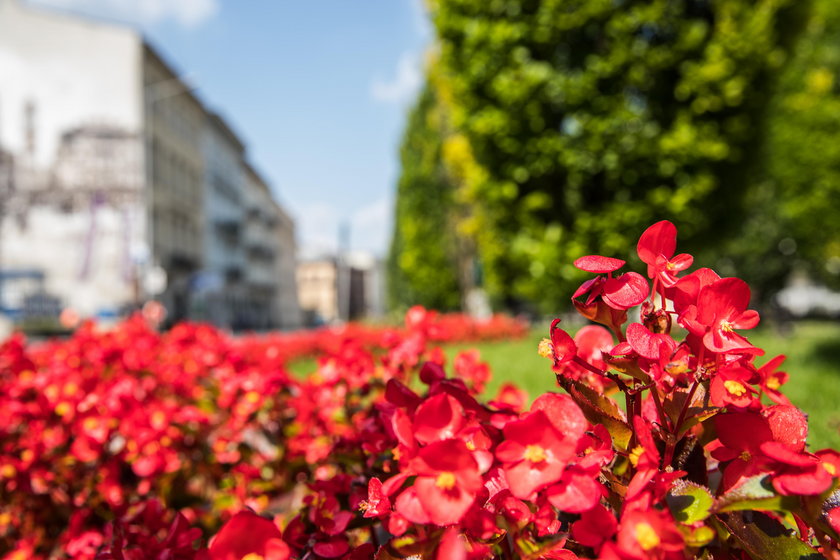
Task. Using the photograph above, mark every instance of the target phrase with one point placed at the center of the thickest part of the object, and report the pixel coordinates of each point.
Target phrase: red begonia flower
(533, 453)
(648, 534)
(731, 387)
(771, 379)
(656, 249)
(447, 481)
(377, 503)
(722, 308)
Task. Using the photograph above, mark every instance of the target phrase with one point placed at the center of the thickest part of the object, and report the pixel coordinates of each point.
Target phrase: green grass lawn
(813, 363)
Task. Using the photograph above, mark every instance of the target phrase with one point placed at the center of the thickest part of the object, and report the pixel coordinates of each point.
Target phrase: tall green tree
(588, 120)
(422, 263)
(803, 151)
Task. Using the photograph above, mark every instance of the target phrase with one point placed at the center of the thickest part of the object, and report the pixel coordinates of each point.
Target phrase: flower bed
(129, 444)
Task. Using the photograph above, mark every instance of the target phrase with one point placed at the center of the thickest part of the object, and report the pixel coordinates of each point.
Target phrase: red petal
(595, 526)
(788, 424)
(742, 431)
(439, 418)
(808, 483)
(784, 454)
(445, 507)
(747, 320)
(724, 300)
(408, 505)
(563, 413)
(452, 546)
(564, 345)
(626, 291)
(524, 478)
(333, 548)
(245, 533)
(598, 264)
(682, 261)
(577, 492)
(643, 341)
(658, 239)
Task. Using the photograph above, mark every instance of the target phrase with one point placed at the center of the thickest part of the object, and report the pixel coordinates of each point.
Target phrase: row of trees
(554, 128)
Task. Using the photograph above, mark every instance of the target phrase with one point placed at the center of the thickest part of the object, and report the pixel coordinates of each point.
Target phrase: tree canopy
(575, 124)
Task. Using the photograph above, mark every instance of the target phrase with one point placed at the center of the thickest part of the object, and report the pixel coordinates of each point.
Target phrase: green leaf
(755, 493)
(764, 538)
(599, 409)
(689, 502)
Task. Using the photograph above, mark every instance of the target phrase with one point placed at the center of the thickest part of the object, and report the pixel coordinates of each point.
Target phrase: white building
(110, 167)
(82, 228)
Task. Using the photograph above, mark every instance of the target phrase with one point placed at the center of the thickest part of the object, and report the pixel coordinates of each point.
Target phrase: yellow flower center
(734, 388)
(535, 454)
(832, 470)
(545, 349)
(646, 536)
(8, 471)
(253, 556)
(773, 383)
(726, 326)
(445, 481)
(636, 454)
(63, 408)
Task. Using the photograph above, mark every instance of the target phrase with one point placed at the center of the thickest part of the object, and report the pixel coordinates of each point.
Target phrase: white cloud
(188, 13)
(404, 85)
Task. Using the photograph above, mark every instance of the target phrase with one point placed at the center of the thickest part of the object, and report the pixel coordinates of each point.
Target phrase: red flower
(770, 380)
(377, 503)
(656, 249)
(731, 387)
(446, 484)
(534, 453)
(648, 534)
(722, 308)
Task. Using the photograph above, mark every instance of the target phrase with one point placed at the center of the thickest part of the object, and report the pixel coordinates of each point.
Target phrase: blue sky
(318, 90)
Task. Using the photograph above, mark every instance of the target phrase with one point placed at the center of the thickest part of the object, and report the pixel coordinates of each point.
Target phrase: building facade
(111, 169)
(220, 291)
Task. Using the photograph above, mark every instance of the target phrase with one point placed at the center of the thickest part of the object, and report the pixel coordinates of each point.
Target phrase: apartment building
(113, 171)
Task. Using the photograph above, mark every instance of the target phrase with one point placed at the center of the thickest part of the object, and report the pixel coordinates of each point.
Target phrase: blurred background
(273, 165)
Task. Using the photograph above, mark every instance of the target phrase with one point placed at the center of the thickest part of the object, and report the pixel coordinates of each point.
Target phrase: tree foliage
(423, 258)
(803, 163)
(577, 122)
